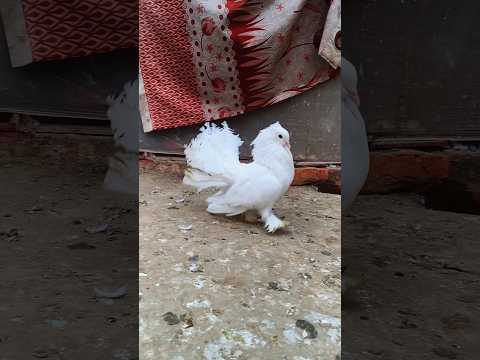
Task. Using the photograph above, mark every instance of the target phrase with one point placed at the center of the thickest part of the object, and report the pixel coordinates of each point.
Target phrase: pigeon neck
(274, 157)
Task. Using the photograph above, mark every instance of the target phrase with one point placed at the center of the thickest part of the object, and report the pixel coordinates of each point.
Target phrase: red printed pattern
(166, 65)
(60, 29)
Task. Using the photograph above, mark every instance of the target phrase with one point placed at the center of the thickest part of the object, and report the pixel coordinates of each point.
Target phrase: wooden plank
(74, 130)
(423, 143)
(48, 125)
(316, 164)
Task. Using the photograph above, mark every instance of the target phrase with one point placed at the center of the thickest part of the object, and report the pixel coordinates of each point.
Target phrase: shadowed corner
(409, 241)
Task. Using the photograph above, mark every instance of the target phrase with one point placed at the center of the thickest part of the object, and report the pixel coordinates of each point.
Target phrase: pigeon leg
(272, 223)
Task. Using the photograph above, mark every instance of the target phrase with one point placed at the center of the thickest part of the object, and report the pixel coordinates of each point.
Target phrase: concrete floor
(415, 281)
(52, 262)
(220, 288)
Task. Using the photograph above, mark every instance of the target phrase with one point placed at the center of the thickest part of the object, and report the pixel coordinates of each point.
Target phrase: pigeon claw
(273, 223)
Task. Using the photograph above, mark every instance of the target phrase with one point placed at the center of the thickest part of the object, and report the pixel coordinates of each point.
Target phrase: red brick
(327, 179)
(449, 180)
(310, 175)
(405, 169)
(164, 166)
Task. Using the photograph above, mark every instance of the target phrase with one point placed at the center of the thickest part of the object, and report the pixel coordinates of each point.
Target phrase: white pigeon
(355, 155)
(213, 162)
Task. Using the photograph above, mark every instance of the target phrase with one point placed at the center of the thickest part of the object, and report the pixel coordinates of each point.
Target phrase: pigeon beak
(286, 144)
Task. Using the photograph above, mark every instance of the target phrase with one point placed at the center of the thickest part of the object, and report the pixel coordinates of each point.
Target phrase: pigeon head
(273, 134)
(349, 80)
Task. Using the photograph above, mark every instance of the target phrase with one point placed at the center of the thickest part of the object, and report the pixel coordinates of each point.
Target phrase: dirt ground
(224, 288)
(62, 237)
(415, 281)
(217, 288)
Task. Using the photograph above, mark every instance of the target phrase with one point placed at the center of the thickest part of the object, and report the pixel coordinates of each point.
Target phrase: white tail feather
(202, 181)
(213, 157)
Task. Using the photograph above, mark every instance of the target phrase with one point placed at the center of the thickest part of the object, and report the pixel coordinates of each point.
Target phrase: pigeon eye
(280, 136)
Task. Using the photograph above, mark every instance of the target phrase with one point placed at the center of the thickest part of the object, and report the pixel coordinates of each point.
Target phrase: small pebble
(170, 318)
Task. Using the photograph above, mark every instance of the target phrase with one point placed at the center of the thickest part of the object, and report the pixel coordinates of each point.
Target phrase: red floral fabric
(211, 59)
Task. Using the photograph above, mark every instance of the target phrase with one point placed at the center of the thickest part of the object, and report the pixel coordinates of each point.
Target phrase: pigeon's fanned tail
(212, 157)
(201, 180)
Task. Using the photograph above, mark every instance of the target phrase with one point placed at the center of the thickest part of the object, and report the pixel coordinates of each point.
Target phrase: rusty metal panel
(313, 119)
(418, 65)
